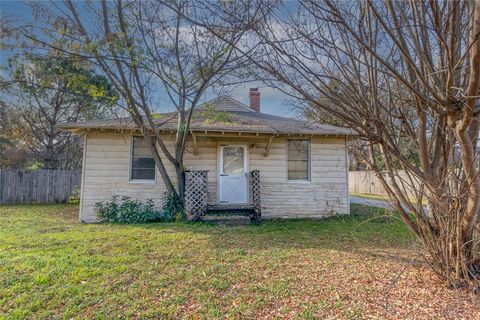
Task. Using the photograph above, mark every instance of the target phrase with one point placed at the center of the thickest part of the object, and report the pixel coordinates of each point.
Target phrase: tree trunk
(180, 172)
(49, 158)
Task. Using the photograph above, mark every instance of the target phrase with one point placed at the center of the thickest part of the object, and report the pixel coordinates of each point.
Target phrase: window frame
(130, 167)
(309, 161)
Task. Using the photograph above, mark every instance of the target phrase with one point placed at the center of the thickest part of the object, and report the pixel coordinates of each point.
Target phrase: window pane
(298, 170)
(143, 164)
(297, 149)
(233, 160)
(298, 160)
(142, 152)
(139, 141)
(143, 174)
(140, 147)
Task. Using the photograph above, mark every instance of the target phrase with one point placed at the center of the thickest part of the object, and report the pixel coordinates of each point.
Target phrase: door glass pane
(233, 160)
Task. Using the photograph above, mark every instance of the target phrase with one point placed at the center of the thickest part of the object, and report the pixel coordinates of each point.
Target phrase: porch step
(229, 210)
(227, 219)
(228, 214)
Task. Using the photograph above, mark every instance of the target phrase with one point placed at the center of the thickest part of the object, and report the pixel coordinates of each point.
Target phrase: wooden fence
(39, 186)
(367, 182)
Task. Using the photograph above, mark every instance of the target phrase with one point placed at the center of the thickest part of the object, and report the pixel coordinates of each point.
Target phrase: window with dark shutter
(143, 164)
(298, 160)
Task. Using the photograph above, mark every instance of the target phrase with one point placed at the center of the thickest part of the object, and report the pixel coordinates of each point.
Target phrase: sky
(272, 100)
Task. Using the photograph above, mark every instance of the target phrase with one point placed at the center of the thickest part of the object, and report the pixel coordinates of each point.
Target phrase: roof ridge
(228, 97)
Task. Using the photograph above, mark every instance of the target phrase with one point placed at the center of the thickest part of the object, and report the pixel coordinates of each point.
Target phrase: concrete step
(227, 219)
(229, 210)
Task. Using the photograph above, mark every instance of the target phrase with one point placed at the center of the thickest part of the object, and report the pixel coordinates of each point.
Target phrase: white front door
(233, 173)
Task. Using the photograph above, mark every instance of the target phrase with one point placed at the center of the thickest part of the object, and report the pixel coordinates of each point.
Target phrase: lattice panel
(256, 197)
(196, 193)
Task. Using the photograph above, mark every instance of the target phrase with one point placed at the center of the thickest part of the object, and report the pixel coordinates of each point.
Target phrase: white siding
(107, 163)
(106, 173)
(325, 195)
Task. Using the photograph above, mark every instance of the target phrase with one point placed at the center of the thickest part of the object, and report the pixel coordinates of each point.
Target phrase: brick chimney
(255, 99)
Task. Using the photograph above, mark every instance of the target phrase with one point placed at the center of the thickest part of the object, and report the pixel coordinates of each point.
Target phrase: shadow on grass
(365, 230)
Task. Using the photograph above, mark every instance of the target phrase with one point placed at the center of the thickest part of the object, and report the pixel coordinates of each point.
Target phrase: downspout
(82, 182)
(347, 174)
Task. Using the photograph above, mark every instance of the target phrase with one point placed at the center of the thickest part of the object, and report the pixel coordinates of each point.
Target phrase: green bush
(173, 209)
(75, 196)
(127, 210)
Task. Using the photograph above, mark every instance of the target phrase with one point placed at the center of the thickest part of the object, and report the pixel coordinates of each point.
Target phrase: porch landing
(196, 195)
(229, 207)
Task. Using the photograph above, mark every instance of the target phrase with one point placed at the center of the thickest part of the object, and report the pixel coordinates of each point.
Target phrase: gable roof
(225, 115)
(226, 103)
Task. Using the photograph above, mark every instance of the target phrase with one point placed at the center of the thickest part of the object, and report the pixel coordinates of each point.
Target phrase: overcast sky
(272, 101)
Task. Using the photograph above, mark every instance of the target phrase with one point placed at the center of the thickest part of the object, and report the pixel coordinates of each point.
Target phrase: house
(303, 166)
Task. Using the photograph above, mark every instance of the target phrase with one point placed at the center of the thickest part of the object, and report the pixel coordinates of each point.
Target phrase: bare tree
(147, 51)
(400, 74)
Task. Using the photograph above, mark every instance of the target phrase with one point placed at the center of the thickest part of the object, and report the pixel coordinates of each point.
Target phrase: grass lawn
(51, 266)
(369, 196)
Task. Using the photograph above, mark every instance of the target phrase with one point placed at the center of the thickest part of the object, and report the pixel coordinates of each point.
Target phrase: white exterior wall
(107, 167)
(327, 192)
(106, 173)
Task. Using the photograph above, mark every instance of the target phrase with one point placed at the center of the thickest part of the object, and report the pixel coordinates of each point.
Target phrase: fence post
(196, 194)
(256, 197)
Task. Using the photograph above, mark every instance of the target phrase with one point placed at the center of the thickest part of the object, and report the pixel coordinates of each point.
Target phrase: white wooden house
(303, 166)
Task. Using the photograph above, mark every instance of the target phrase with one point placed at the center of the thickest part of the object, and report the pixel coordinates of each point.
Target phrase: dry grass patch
(348, 268)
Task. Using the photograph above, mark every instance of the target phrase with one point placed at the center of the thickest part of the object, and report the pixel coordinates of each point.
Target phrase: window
(142, 163)
(298, 160)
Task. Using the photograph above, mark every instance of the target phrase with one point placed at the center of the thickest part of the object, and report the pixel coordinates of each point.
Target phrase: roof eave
(81, 129)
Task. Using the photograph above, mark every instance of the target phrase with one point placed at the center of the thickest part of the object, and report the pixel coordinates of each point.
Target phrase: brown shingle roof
(235, 117)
